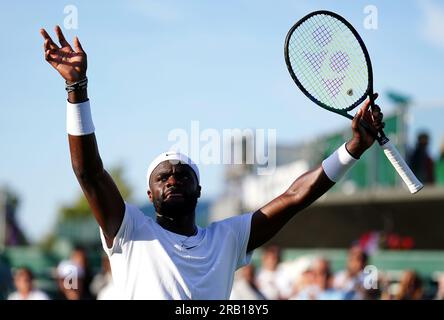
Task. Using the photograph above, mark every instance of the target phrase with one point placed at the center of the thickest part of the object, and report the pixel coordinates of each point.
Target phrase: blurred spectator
(102, 284)
(101, 279)
(271, 279)
(244, 287)
(324, 281)
(23, 280)
(70, 280)
(320, 287)
(440, 290)
(390, 291)
(439, 166)
(420, 162)
(351, 280)
(108, 292)
(304, 278)
(79, 257)
(410, 287)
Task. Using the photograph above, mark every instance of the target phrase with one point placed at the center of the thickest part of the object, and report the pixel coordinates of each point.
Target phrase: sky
(156, 66)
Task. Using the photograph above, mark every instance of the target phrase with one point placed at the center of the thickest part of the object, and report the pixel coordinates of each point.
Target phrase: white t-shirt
(33, 295)
(149, 262)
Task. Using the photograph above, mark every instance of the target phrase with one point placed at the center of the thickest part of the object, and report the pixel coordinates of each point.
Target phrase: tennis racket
(329, 62)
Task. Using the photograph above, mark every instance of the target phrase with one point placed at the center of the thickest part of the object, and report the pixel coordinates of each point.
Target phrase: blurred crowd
(312, 278)
(304, 278)
(73, 278)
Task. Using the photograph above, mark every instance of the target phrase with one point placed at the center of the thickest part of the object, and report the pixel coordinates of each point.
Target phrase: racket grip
(413, 184)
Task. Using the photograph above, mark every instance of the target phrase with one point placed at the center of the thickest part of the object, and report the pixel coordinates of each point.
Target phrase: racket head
(329, 62)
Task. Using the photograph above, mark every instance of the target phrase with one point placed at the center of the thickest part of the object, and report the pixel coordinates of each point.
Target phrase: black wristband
(82, 84)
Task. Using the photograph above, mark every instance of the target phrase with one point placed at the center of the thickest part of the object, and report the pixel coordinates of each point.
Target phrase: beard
(173, 208)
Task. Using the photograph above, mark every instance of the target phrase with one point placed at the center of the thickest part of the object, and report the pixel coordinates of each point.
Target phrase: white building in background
(246, 191)
(259, 190)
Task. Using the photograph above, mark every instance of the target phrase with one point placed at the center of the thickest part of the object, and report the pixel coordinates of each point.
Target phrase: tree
(10, 232)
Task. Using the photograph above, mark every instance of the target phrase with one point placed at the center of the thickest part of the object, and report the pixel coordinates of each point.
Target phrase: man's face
(23, 281)
(174, 189)
(356, 260)
(271, 259)
(321, 273)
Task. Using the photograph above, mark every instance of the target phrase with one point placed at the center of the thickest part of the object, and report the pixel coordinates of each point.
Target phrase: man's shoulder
(134, 212)
(230, 222)
(135, 219)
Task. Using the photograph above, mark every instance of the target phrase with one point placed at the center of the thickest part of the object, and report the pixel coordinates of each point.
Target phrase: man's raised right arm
(100, 190)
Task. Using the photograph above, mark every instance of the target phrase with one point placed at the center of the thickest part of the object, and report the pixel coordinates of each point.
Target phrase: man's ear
(199, 189)
(150, 195)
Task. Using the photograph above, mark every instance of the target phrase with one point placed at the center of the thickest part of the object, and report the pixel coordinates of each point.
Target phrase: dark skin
(174, 188)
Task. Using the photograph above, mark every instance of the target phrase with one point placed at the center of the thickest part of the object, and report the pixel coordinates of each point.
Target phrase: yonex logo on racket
(332, 71)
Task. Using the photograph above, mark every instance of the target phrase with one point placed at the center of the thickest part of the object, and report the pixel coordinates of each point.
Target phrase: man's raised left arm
(268, 220)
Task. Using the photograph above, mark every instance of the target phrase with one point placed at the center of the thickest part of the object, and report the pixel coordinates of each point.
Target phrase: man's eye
(183, 177)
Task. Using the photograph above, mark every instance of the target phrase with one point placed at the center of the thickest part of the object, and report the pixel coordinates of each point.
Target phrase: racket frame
(369, 90)
(413, 184)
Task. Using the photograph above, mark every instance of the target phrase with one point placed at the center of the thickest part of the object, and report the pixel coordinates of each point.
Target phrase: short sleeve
(241, 226)
(132, 217)
(244, 238)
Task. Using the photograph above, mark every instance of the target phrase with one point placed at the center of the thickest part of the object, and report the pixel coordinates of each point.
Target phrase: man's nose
(171, 181)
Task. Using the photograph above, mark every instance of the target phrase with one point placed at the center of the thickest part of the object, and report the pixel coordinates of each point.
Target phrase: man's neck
(184, 225)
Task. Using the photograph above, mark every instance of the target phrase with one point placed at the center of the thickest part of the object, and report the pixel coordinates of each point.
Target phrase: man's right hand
(70, 64)
(99, 188)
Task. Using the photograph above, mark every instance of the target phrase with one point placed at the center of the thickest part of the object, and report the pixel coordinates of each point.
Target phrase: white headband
(174, 157)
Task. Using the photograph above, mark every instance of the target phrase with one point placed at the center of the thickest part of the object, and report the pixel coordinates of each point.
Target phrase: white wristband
(78, 119)
(337, 164)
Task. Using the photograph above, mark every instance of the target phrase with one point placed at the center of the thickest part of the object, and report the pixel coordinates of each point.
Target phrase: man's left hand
(362, 139)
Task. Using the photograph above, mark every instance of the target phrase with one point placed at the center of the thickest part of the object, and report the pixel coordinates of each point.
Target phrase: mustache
(172, 190)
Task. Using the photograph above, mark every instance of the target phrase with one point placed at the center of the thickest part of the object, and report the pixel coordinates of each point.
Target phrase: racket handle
(403, 169)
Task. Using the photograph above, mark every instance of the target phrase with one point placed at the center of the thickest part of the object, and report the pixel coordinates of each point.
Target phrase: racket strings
(358, 75)
(327, 59)
(322, 36)
(340, 62)
(298, 48)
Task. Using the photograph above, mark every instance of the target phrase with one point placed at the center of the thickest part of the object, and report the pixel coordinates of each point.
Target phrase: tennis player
(172, 257)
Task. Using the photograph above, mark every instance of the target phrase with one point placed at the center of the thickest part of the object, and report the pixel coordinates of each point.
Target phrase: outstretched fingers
(61, 38)
(78, 46)
(49, 44)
